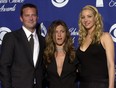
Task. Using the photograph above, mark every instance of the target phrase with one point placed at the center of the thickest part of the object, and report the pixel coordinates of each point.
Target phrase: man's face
(29, 18)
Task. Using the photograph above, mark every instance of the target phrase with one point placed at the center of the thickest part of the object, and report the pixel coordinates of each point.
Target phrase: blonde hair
(97, 32)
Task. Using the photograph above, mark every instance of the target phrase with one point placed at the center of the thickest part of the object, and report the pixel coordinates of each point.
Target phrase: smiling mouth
(87, 24)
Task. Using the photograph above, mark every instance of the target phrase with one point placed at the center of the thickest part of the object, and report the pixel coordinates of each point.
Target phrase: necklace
(59, 49)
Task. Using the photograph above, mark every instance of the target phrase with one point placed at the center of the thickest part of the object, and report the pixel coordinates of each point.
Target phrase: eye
(82, 17)
(34, 15)
(26, 15)
(62, 31)
(56, 31)
(89, 16)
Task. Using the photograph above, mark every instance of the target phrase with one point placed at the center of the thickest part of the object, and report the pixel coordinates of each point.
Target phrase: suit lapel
(28, 49)
(40, 50)
(26, 46)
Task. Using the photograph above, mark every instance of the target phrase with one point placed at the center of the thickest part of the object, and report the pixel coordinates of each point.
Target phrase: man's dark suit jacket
(16, 62)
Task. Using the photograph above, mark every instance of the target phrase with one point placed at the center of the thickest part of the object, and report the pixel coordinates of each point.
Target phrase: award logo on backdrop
(3, 31)
(99, 3)
(59, 3)
(112, 31)
(43, 29)
(7, 6)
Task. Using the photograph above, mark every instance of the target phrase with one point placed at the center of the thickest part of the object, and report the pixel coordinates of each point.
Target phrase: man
(21, 64)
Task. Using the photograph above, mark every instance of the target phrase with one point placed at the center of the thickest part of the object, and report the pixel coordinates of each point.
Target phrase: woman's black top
(67, 79)
(93, 63)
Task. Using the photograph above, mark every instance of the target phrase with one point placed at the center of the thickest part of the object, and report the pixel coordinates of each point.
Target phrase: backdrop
(49, 10)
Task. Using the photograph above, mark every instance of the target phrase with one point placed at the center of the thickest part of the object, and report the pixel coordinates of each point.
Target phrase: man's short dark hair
(28, 5)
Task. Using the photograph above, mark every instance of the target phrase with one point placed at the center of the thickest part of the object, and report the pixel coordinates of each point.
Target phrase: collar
(27, 32)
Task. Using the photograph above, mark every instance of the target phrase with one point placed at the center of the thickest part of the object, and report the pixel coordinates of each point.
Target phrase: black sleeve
(6, 58)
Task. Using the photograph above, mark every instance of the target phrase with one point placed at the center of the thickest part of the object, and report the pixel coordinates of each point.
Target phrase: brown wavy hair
(50, 44)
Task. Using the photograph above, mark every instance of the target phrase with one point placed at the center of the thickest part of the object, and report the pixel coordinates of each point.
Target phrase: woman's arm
(109, 47)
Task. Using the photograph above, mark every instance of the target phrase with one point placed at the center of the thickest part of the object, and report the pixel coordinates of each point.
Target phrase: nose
(85, 19)
(59, 33)
(31, 17)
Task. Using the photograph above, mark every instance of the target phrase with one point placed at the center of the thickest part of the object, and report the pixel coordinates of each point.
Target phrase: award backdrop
(49, 10)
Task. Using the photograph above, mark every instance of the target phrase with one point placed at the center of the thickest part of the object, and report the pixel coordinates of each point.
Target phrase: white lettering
(3, 1)
(11, 1)
(3, 9)
(73, 39)
(16, 1)
(73, 31)
(112, 3)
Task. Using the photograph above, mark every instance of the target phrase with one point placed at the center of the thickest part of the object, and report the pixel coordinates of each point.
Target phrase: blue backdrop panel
(49, 10)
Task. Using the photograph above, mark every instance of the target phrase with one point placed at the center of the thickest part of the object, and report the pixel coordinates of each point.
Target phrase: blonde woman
(95, 52)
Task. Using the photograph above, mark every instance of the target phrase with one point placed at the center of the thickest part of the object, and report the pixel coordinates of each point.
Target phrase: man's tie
(31, 42)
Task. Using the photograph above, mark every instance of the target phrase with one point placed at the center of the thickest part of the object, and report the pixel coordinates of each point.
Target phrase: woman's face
(59, 35)
(88, 19)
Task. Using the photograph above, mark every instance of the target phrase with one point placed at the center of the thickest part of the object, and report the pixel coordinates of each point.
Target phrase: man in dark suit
(20, 64)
